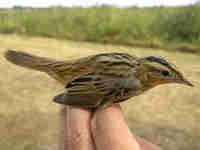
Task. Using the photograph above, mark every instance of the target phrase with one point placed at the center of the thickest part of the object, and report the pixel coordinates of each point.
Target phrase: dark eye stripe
(165, 73)
(161, 61)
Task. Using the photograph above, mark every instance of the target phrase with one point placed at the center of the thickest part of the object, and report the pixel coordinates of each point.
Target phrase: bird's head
(160, 71)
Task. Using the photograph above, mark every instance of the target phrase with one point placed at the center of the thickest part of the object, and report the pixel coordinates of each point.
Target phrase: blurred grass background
(171, 28)
(167, 115)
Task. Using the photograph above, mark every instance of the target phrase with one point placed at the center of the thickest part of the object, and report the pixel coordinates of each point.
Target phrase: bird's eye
(165, 73)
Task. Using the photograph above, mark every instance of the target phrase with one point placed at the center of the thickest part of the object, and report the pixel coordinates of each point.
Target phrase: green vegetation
(160, 27)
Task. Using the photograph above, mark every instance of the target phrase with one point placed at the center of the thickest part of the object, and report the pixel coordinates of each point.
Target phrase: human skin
(105, 129)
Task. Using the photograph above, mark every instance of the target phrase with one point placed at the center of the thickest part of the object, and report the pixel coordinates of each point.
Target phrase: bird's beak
(186, 82)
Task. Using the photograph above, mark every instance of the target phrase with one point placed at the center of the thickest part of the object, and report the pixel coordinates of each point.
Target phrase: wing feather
(92, 90)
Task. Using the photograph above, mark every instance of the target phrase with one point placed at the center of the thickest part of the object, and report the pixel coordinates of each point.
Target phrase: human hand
(103, 130)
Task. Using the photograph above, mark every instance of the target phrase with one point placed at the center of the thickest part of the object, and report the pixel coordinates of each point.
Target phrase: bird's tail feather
(27, 60)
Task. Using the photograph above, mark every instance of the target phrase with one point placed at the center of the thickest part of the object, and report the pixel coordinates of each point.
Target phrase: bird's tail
(28, 60)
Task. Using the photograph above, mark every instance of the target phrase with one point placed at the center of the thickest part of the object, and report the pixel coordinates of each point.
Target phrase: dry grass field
(168, 115)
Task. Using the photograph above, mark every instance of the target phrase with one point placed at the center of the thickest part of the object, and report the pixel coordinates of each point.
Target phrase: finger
(110, 130)
(145, 145)
(75, 129)
(63, 117)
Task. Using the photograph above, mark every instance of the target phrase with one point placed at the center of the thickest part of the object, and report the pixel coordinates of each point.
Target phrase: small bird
(103, 79)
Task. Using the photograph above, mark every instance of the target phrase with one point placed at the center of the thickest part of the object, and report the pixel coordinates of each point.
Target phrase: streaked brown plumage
(102, 79)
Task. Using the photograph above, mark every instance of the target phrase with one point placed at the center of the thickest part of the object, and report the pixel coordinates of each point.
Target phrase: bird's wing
(92, 90)
(86, 91)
